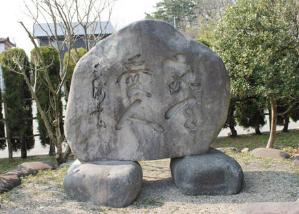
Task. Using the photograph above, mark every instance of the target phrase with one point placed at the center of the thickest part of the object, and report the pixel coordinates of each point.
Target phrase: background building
(5, 43)
(83, 33)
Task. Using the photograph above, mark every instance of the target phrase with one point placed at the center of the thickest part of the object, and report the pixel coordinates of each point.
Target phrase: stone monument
(147, 92)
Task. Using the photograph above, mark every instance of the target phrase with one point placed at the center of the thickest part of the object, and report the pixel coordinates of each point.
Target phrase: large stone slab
(146, 92)
(108, 183)
(213, 173)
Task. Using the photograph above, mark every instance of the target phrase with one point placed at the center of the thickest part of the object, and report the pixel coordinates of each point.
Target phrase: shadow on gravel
(260, 186)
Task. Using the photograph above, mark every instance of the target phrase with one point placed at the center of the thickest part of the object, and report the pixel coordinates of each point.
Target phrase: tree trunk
(52, 150)
(40, 110)
(233, 131)
(257, 130)
(58, 124)
(67, 153)
(59, 154)
(23, 147)
(61, 72)
(270, 116)
(286, 121)
(273, 122)
(231, 120)
(7, 132)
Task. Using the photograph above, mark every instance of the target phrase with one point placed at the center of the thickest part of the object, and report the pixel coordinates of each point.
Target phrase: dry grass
(285, 141)
(6, 164)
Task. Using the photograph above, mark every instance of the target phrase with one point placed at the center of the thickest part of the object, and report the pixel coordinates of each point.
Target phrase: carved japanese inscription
(99, 94)
(136, 91)
(145, 93)
(183, 77)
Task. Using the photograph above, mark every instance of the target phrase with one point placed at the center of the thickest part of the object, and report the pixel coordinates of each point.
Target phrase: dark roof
(95, 28)
(7, 42)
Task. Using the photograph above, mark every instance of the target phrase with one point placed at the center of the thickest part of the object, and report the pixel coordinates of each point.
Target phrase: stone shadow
(260, 186)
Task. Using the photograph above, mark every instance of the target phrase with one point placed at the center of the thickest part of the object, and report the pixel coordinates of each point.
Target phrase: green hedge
(17, 98)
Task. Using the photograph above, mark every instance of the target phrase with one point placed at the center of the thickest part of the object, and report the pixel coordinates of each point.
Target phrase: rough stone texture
(270, 208)
(296, 162)
(108, 183)
(8, 182)
(269, 153)
(213, 173)
(31, 168)
(74, 165)
(146, 92)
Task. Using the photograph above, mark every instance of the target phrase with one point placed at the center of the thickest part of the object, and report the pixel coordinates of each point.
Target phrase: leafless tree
(212, 9)
(60, 20)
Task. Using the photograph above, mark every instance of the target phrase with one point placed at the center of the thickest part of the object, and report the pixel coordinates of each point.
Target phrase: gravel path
(266, 181)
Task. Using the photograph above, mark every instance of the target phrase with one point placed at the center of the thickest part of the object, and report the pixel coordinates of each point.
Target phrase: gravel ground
(266, 181)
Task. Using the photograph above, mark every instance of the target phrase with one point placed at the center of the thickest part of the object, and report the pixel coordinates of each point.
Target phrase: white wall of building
(2, 47)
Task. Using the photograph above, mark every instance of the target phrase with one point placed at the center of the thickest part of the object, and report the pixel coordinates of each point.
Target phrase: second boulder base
(213, 173)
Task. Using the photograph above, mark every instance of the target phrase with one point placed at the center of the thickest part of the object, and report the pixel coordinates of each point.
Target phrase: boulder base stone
(269, 153)
(213, 173)
(107, 183)
(146, 92)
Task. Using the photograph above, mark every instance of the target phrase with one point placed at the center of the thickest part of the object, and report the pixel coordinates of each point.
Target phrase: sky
(12, 11)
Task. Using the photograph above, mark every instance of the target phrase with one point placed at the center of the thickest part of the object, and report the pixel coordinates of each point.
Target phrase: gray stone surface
(213, 173)
(269, 153)
(270, 208)
(8, 182)
(31, 168)
(146, 92)
(107, 183)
